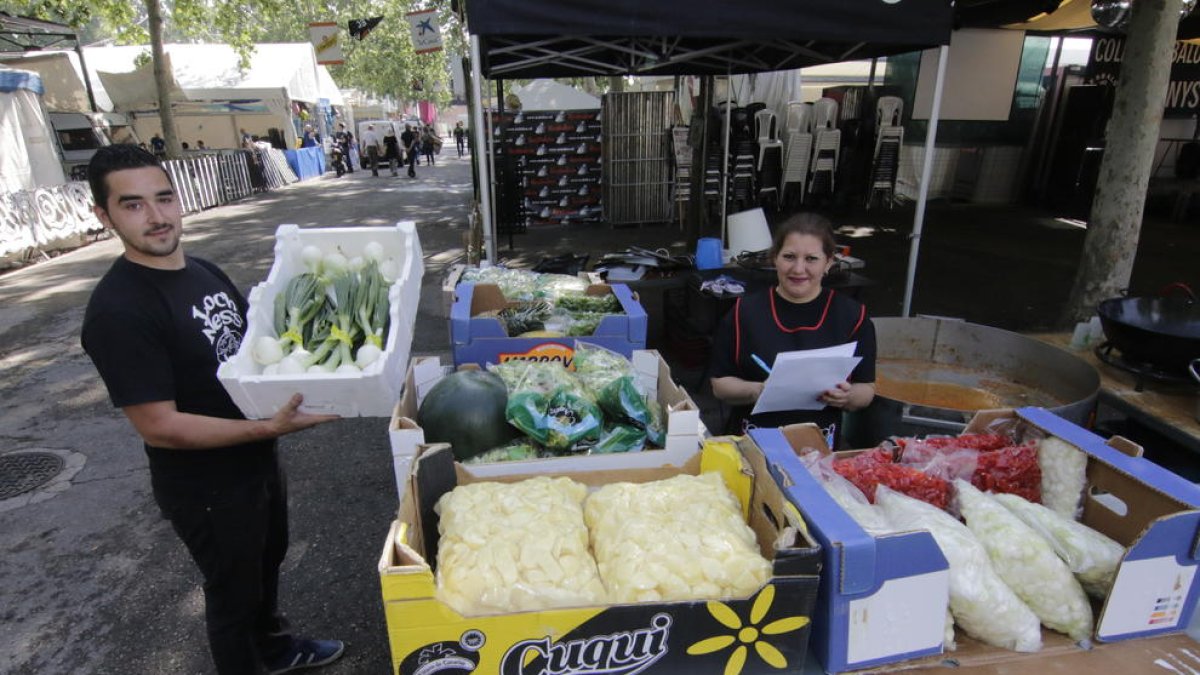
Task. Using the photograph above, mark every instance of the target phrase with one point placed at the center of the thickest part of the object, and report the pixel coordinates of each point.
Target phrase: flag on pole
(426, 34)
(324, 36)
(360, 28)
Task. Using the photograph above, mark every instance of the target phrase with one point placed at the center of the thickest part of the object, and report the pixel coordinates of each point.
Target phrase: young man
(460, 138)
(158, 325)
(412, 147)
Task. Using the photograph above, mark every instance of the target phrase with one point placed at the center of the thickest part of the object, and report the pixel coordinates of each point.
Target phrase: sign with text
(324, 36)
(1183, 91)
(557, 157)
(426, 34)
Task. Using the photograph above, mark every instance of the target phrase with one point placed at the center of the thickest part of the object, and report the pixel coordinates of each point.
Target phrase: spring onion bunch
(331, 318)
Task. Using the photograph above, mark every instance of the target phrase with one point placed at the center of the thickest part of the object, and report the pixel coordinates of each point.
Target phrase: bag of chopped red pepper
(871, 468)
(1012, 470)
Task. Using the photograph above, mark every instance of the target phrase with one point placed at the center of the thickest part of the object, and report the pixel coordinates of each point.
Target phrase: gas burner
(1141, 370)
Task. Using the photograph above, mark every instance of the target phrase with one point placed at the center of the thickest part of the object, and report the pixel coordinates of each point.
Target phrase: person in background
(345, 139)
(247, 139)
(373, 142)
(412, 146)
(796, 313)
(311, 138)
(158, 145)
(429, 143)
(200, 145)
(391, 149)
(157, 326)
(460, 138)
(185, 146)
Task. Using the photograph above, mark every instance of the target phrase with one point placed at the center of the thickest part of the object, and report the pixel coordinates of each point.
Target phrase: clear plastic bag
(682, 538)
(541, 377)
(515, 547)
(1091, 556)
(981, 603)
(1027, 563)
(1064, 476)
(849, 497)
(560, 421)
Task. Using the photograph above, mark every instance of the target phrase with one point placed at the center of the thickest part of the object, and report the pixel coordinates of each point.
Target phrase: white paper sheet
(798, 378)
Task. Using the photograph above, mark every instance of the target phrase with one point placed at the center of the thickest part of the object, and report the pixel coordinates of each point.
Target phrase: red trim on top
(797, 329)
(737, 333)
(862, 314)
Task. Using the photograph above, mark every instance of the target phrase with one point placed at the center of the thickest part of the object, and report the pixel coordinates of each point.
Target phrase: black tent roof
(557, 38)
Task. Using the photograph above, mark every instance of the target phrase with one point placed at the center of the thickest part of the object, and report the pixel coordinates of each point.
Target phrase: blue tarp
(306, 162)
(12, 80)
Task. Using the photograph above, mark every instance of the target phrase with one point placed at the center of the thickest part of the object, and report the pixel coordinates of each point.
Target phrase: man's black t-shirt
(764, 325)
(159, 335)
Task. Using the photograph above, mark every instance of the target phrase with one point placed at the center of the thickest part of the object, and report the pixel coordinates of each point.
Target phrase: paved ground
(92, 581)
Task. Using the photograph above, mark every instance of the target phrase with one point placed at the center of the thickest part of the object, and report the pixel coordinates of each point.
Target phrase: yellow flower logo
(748, 634)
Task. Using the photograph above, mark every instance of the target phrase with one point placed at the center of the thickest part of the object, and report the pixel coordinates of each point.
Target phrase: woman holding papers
(794, 315)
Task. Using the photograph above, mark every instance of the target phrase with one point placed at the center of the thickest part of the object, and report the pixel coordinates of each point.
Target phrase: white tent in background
(61, 76)
(29, 159)
(551, 95)
(212, 95)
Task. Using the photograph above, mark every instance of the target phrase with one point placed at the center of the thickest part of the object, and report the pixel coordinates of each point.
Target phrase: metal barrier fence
(59, 215)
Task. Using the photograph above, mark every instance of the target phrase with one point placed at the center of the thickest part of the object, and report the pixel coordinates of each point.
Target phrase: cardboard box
(684, 428)
(1146, 508)
(654, 637)
(483, 340)
(371, 393)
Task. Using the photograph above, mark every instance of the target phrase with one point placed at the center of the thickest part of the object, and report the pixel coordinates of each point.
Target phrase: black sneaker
(306, 654)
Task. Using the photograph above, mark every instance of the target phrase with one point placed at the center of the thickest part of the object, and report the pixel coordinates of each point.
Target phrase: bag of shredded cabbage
(515, 547)
(980, 602)
(1064, 476)
(682, 538)
(1093, 557)
(1027, 563)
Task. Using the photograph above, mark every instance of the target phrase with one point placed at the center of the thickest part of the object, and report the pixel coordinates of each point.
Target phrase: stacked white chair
(798, 148)
(826, 150)
(770, 149)
(825, 113)
(889, 137)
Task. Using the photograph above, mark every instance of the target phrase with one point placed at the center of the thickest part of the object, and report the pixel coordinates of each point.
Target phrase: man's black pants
(237, 533)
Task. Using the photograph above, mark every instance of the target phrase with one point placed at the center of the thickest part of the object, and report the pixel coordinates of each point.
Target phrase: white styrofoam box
(685, 431)
(371, 393)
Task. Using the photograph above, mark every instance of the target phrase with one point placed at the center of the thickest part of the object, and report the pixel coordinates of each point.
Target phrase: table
(1169, 410)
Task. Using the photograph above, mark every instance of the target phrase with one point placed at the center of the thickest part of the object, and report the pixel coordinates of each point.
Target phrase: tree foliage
(383, 63)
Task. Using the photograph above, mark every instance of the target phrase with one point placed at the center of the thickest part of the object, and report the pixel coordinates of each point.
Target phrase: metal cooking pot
(1018, 370)
(1162, 331)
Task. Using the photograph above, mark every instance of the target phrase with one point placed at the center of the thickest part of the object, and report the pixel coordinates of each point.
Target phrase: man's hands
(289, 418)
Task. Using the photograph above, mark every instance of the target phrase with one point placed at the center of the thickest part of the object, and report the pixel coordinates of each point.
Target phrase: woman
(795, 314)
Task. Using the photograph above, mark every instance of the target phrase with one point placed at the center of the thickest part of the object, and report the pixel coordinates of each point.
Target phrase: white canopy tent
(29, 159)
(61, 77)
(206, 81)
(552, 95)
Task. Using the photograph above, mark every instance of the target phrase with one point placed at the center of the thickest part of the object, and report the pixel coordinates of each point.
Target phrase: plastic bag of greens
(596, 366)
(572, 419)
(982, 604)
(1027, 563)
(558, 421)
(542, 377)
(1093, 557)
(518, 450)
(603, 304)
(582, 324)
(620, 438)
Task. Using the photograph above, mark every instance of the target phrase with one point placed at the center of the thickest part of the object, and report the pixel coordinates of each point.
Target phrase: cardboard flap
(436, 476)
(831, 524)
(1159, 478)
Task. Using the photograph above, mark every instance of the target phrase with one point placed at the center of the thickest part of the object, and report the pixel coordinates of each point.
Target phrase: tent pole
(725, 162)
(926, 172)
(481, 144)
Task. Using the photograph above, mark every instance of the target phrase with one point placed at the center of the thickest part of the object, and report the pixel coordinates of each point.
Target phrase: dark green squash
(466, 410)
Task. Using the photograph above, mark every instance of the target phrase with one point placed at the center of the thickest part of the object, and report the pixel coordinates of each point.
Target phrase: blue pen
(761, 364)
